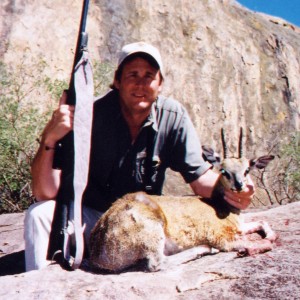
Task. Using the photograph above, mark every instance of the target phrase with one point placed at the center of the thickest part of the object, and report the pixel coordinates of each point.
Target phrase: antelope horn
(241, 143)
(225, 150)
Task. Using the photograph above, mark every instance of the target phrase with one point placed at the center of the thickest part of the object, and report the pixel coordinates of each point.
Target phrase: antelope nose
(239, 185)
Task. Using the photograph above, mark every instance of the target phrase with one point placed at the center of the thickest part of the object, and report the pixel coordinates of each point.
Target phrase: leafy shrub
(289, 176)
(25, 108)
(27, 99)
(279, 183)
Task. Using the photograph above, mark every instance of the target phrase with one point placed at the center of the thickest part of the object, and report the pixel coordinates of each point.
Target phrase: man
(137, 134)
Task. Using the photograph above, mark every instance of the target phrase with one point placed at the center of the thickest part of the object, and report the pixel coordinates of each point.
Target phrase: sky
(286, 9)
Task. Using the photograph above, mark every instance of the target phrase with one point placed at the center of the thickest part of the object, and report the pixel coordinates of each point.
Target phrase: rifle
(67, 214)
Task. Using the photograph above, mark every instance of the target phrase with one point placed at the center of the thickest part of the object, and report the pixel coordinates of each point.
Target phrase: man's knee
(41, 211)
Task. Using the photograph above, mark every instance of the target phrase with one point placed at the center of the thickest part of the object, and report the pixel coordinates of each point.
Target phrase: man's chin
(143, 105)
(141, 110)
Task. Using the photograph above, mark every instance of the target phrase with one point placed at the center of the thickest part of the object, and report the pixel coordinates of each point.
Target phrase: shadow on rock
(12, 264)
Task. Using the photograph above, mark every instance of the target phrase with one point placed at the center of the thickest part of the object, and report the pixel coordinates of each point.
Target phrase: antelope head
(234, 170)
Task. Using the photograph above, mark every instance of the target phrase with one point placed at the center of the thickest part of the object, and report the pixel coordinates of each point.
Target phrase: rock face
(272, 275)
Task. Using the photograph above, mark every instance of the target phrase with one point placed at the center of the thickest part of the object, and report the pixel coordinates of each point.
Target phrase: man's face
(139, 86)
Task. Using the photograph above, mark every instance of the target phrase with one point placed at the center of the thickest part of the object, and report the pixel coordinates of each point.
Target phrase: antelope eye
(247, 171)
(225, 173)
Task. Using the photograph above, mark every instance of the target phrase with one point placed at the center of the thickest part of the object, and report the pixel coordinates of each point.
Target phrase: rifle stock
(64, 155)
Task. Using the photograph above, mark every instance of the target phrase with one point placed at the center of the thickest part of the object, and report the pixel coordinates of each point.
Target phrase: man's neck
(134, 122)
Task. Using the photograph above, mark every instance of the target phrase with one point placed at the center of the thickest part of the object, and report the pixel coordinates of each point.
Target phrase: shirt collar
(152, 118)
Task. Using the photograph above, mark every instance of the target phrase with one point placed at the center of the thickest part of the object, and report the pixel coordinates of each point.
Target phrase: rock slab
(272, 275)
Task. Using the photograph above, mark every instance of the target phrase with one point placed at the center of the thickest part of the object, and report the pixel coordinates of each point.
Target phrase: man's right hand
(60, 124)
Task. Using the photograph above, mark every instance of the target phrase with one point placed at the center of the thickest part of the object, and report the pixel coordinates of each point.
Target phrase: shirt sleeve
(186, 155)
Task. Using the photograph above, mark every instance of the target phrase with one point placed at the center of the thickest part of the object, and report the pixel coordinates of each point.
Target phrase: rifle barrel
(82, 41)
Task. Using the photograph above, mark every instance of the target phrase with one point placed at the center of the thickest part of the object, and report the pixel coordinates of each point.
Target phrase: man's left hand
(240, 200)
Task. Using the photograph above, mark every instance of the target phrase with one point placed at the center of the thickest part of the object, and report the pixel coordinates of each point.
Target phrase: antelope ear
(261, 162)
(210, 155)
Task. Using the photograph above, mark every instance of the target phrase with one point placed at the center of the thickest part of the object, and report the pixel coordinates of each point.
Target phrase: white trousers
(37, 228)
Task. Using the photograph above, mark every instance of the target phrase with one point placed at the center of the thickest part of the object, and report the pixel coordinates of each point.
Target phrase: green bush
(22, 117)
(279, 182)
(290, 175)
(27, 99)
(103, 76)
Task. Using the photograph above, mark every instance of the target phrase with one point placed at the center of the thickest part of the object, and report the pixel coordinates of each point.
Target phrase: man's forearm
(45, 179)
(204, 185)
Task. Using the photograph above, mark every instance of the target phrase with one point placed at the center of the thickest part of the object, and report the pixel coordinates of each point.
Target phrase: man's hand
(60, 124)
(240, 200)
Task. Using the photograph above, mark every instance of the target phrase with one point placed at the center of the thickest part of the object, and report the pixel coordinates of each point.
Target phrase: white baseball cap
(142, 47)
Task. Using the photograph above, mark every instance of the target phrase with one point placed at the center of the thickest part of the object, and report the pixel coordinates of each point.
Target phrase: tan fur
(140, 226)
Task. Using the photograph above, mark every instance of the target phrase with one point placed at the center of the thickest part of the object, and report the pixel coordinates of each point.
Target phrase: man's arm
(205, 184)
(45, 179)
